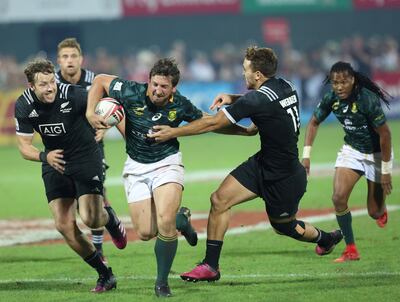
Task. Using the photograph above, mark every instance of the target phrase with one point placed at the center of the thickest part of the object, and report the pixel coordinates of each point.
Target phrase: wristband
(386, 167)
(43, 157)
(306, 151)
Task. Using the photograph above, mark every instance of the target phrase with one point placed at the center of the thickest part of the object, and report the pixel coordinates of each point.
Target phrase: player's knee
(65, 228)
(90, 220)
(218, 203)
(294, 229)
(146, 236)
(339, 201)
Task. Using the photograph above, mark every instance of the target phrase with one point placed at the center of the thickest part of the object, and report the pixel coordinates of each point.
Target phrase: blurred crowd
(306, 69)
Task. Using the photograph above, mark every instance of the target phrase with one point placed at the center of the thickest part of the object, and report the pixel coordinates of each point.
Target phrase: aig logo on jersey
(52, 129)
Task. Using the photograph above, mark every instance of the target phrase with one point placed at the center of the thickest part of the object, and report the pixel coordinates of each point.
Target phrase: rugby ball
(111, 110)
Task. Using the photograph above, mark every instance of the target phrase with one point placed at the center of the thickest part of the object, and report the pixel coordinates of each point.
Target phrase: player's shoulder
(24, 103)
(70, 91)
(276, 88)
(87, 76)
(127, 86)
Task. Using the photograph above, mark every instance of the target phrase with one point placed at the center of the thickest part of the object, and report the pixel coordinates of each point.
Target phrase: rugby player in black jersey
(71, 162)
(274, 173)
(70, 59)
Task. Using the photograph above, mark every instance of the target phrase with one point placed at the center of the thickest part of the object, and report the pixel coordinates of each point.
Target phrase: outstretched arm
(311, 133)
(224, 99)
(100, 85)
(206, 124)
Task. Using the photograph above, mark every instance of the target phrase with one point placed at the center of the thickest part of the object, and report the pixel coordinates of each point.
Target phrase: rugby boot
(382, 220)
(105, 283)
(162, 291)
(184, 226)
(202, 272)
(350, 254)
(337, 236)
(116, 229)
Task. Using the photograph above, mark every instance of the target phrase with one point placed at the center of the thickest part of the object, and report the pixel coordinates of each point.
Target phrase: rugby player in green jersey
(367, 150)
(153, 173)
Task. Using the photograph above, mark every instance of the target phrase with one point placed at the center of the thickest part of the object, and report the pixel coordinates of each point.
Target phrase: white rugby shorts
(369, 164)
(140, 179)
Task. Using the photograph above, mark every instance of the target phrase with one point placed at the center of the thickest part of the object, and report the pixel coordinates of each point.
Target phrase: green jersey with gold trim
(359, 115)
(141, 115)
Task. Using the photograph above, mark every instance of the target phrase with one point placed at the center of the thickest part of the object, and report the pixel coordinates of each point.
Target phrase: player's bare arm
(224, 99)
(29, 152)
(386, 149)
(311, 133)
(206, 124)
(101, 85)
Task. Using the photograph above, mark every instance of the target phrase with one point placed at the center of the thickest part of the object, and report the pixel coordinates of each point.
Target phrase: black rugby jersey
(61, 124)
(85, 80)
(274, 109)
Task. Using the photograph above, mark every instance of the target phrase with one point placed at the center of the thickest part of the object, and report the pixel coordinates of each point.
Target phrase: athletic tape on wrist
(387, 167)
(306, 151)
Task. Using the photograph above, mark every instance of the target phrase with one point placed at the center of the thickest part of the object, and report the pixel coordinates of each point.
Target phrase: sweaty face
(342, 84)
(249, 75)
(45, 87)
(70, 61)
(160, 89)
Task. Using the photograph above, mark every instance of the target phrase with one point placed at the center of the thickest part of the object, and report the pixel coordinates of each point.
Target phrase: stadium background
(208, 38)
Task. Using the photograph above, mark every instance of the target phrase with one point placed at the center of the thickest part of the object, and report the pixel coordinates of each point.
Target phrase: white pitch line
(35, 235)
(226, 277)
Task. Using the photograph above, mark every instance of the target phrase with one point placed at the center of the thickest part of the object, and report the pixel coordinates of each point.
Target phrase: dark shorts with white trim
(281, 196)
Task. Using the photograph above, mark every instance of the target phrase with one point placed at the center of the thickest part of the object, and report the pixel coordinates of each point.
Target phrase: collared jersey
(274, 109)
(61, 124)
(141, 115)
(85, 80)
(358, 117)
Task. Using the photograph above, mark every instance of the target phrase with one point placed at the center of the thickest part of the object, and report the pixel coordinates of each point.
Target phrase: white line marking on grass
(225, 277)
(44, 229)
(266, 225)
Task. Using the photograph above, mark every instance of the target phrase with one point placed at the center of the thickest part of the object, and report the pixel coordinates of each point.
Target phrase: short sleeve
(22, 124)
(190, 111)
(120, 89)
(374, 112)
(246, 106)
(324, 108)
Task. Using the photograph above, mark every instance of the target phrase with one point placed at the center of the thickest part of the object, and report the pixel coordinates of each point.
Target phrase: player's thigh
(231, 192)
(64, 212)
(57, 185)
(344, 181)
(167, 199)
(282, 197)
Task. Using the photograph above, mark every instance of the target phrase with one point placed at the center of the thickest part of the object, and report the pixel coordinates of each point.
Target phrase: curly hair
(262, 59)
(38, 66)
(166, 67)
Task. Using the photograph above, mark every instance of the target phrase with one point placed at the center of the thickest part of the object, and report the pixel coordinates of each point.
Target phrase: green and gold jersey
(141, 115)
(358, 116)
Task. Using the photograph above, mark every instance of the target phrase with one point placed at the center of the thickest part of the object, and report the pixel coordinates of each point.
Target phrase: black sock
(323, 239)
(112, 224)
(213, 252)
(94, 261)
(97, 239)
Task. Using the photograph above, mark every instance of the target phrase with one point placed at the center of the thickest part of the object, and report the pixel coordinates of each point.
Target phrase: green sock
(344, 220)
(165, 250)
